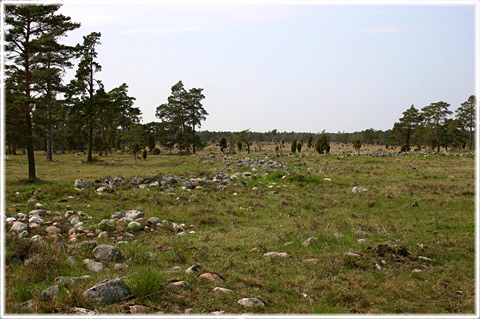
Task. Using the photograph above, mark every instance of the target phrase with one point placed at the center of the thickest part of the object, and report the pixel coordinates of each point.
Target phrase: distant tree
(84, 85)
(244, 137)
(135, 149)
(299, 146)
(403, 129)
(223, 145)
(434, 116)
(466, 116)
(309, 142)
(195, 112)
(293, 146)
(322, 145)
(357, 145)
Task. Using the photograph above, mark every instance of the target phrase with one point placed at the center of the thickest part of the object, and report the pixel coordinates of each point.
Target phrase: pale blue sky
(289, 67)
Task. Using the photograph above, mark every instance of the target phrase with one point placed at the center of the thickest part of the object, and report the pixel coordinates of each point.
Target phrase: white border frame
(474, 3)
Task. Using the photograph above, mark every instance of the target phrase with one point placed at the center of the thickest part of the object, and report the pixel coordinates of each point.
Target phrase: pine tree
(434, 116)
(405, 127)
(30, 30)
(466, 115)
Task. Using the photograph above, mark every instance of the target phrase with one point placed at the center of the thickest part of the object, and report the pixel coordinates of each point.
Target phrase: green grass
(235, 227)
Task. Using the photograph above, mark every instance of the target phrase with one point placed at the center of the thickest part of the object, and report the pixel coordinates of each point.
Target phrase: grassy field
(415, 224)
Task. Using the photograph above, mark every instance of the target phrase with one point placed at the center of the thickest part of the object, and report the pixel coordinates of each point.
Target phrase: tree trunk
(90, 143)
(471, 139)
(193, 139)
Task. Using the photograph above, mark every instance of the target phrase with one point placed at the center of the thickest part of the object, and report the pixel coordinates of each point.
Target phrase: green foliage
(223, 144)
(135, 149)
(239, 146)
(299, 146)
(145, 281)
(293, 146)
(357, 145)
(322, 145)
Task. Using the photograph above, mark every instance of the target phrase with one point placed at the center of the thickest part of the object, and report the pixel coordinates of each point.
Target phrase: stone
(107, 253)
(137, 309)
(38, 212)
(19, 227)
(35, 220)
(221, 290)
(24, 306)
(119, 214)
(170, 190)
(10, 220)
(103, 234)
(338, 235)
(349, 253)
(83, 311)
(75, 220)
(134, 214)
(276, 254)
(80, 184)
(193, 269)
(134, 226)
(251, 302)
(65, 280)
(50, 292)
(142, 221)
(106, 224)
(310, 242)
(211, 276)
(53, 230)
(136, 181)
(93, 265)
(24, 234)
(178, 285)
(177, 228)
(36, 238)
(358, 189)
(108, 291)
(153, 221)
(125, 220)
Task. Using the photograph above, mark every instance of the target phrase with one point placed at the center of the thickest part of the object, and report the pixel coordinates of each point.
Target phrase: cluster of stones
(253, 164)
(389, 154)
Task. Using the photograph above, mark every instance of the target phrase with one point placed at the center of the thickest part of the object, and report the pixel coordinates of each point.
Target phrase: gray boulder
(50, 292)
(134, 226)
(93, 265)
(107, 253)
(80, 184)
(19, 227)
(108, 291)
(251, 302)
(134, 214)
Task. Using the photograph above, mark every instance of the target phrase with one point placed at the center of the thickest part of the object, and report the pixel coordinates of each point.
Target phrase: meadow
(405, 245)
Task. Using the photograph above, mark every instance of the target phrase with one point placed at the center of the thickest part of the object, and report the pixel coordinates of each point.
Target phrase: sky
(290, 67)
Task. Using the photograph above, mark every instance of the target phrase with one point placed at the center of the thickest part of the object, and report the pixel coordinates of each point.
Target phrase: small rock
(358, 189)
(138, 309)
(221, 290)
(74, 220)
(83, 311)
(193, 269)
(310, 242)
(103, 234)
(36, 238)
(352, 254)
(80, 184)
(361, 240)
(276, 254)
(338, 235)
(24, 306)
(71, 261)
(251, 302)
(50, 292)
(134, 214)
(134, 226)
(119, 214)
(189, 310)
(153, 221)
(93, 265)
(178, 285)
(37, 212)
(53, 230)
(108, 291)
(18, 227)
(107, 253)
(35, 220)
(211, 276)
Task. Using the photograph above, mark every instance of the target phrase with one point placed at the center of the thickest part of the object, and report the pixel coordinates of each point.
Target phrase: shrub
(156, 151)
(135, 149)
(223, 144)
(322, 145)
(357, 145)
(294, 146)
(144, 154)
(276, 148)
(299, 146)
(404, 148)
(239, 146)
